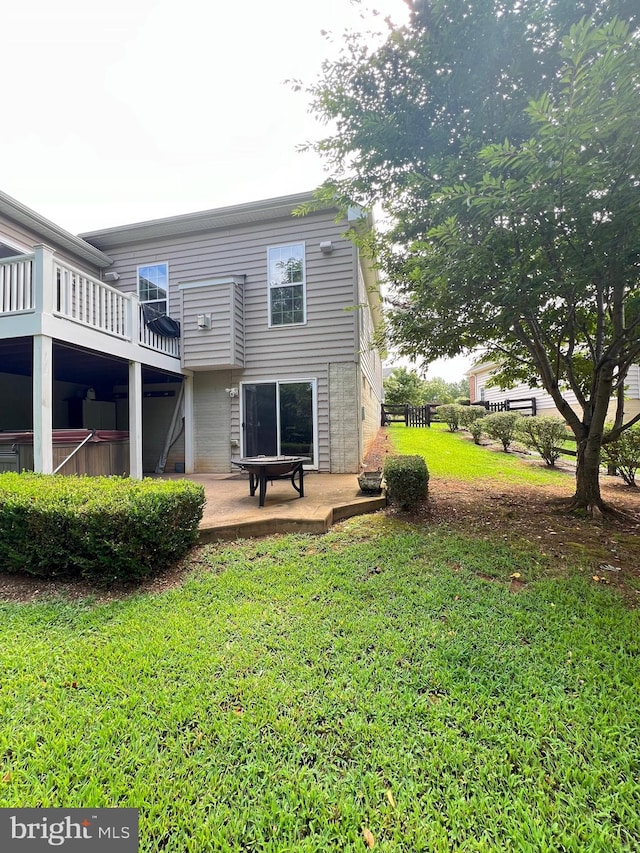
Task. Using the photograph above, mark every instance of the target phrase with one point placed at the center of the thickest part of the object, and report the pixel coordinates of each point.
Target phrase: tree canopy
(405, 386)
(502, 140)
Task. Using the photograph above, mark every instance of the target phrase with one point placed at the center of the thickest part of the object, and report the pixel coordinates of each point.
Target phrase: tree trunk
(587, 495)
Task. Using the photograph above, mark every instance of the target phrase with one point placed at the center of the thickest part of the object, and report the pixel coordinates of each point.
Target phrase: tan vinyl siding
(632, 389)
(544, 401)
(371, 369)
(328, 333)
(279, 353)
(219, 302)
(252, 351)
(238, 322)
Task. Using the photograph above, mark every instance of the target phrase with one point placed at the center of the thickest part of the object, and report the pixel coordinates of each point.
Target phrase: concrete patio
(231, 513)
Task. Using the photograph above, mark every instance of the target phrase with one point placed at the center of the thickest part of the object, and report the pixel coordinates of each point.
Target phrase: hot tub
(106, 451)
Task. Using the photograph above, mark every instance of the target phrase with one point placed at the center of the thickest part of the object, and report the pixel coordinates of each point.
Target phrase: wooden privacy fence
(418, 416)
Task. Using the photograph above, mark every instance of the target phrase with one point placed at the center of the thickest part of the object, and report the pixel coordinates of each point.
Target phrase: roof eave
(204, 220)
(49, 231)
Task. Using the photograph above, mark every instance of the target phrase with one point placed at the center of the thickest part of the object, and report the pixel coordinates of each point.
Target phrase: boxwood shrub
(104, 528)
(407, 480)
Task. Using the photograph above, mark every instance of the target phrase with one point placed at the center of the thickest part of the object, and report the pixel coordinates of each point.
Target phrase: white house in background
(481, 392)
(185, 342)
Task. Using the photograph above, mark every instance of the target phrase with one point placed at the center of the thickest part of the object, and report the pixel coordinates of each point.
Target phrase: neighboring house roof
(481, 367)
(18, 212)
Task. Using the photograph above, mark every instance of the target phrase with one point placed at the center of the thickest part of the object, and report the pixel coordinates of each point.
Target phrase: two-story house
(181, 343)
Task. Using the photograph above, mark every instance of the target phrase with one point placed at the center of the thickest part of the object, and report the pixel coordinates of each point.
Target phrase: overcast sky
(130, 110)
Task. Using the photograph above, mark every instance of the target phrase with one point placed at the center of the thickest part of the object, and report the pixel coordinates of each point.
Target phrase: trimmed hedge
(104, 528)
(407, 480)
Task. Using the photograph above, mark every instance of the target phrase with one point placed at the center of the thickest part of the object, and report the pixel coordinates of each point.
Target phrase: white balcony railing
(91, 302)
(16, 284)
(39, 282)
(169, 346)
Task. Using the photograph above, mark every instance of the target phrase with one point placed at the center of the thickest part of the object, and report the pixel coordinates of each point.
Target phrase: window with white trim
(287, 295)
(153, 286)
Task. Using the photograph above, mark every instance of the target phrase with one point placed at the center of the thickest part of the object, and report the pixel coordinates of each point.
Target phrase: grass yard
(392, 685)
(455, 455)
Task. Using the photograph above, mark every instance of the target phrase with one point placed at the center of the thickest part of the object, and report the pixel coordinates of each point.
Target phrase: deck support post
(135, 420)
(189, 451)
(42, 404)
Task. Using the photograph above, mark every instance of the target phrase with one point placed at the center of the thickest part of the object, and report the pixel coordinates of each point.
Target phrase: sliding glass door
(279, 419)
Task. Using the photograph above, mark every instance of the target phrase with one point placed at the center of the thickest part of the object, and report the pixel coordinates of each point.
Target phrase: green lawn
(455, 455)
(297, 691)
(380, 684)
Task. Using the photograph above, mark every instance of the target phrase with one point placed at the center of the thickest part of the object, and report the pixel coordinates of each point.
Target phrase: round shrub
(544, 434)
(470, 414)
(476, 429)
(449, 414)
(501, 426)
(407, 480)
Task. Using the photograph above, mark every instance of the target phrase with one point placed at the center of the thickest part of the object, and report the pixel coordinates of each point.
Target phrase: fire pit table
(263, 468)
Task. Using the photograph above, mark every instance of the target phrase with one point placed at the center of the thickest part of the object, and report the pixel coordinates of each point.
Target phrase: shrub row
(104, 528)
(456, 415)
(546, 434)
(407, 480)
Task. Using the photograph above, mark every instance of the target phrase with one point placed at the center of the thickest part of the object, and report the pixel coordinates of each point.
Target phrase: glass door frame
(278, 382)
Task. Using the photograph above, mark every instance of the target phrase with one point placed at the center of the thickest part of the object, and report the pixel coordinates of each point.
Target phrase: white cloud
(143, 108)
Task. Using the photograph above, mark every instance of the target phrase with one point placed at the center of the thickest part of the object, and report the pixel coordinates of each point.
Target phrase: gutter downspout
(358, 353)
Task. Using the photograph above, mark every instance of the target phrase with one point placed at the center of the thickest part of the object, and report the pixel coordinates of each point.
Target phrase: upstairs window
(153, 286)
(286, 285)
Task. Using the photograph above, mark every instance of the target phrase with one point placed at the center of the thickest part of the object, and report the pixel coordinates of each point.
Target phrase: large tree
(403, 387)
(503, 141)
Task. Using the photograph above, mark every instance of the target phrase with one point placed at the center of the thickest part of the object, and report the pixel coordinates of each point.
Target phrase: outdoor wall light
(232, 392)
(326, 247)
(112, 275)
